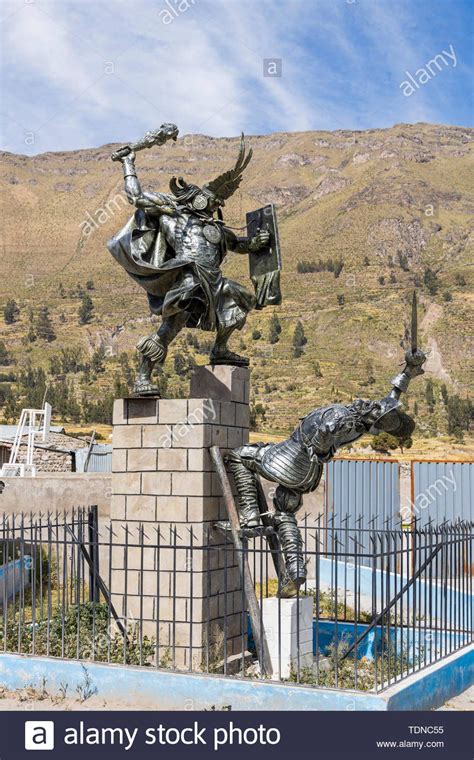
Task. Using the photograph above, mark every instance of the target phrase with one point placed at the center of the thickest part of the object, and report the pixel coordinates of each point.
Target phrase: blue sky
(84, 73)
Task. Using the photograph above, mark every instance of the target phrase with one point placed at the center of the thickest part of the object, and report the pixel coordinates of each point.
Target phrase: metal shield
(265, 264)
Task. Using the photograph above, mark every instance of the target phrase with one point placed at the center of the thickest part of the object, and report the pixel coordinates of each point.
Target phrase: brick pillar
(163, 480)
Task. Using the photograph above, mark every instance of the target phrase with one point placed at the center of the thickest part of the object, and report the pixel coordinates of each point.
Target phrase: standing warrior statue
(173, 247)
(297, 463)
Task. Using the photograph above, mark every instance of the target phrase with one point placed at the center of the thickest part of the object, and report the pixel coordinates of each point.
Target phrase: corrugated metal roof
(363, 488)
(8, 432)
(100, 459)
(443, 491)
(361, 493)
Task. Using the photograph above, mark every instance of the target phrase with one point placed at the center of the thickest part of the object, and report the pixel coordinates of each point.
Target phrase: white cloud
(205, 69)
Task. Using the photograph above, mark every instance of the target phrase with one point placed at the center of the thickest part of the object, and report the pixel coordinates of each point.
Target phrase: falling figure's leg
(153, 350)
(220, 354)
(246, 484)
(287, 503)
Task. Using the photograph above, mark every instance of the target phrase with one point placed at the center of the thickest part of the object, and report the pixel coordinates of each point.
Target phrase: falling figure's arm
(413, 368)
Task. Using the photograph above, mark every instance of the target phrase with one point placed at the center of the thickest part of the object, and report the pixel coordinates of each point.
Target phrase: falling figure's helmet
(387, 417)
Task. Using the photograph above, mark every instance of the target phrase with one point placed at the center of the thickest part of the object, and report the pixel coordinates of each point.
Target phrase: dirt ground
(462, 702)
(31, 700)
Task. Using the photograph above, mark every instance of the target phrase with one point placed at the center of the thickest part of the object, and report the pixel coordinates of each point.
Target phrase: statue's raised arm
(126, 155)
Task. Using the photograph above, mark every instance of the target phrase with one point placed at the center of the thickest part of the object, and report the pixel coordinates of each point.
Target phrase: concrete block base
(186, 593)
(288, 625)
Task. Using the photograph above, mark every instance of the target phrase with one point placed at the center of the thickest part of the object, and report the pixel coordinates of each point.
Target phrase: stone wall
(48, 461)
(55, 454)
(60, 491)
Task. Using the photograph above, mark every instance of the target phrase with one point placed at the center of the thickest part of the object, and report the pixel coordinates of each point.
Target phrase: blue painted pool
(409, 641)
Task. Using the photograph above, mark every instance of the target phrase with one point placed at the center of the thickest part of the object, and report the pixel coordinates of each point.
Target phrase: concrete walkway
(462, 702)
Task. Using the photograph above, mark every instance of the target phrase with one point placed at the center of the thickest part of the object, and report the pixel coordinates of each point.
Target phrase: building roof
(100, 458)
(8, 432)
(56, 439)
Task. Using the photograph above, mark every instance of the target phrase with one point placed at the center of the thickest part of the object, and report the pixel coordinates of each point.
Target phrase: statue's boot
(292, 547)
(220, 354)
(246, 485)
(228, 357)
(153, 350)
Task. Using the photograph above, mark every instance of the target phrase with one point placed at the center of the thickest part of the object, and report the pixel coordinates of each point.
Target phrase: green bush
(87, 632)
(384, 442)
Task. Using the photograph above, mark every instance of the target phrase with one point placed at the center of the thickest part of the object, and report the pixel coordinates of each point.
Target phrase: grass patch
(323, 608)
(85, 632)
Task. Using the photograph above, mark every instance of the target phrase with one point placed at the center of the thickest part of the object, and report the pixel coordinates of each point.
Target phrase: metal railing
(173, 598)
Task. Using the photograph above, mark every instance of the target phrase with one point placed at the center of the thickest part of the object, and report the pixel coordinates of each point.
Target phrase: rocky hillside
(363, 217)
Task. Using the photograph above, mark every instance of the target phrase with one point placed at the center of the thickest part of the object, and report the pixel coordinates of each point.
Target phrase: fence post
(93, 529)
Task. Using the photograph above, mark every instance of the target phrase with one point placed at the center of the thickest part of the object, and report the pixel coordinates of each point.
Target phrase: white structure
(288, 625)
(33, 422)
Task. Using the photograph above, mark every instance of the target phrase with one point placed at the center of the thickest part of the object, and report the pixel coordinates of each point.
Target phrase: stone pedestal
(288, 626)
(175, 572)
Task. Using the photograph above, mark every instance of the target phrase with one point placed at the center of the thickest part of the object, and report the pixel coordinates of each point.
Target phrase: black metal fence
(173, 598)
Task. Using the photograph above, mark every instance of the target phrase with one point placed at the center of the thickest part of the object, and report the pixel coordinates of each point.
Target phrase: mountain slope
(390, 204)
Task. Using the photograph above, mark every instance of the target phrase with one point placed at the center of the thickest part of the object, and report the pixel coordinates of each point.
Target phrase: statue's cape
(142, 250)
(140, 247)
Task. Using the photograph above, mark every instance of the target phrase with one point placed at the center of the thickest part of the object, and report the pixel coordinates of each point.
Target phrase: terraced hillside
(366, 215)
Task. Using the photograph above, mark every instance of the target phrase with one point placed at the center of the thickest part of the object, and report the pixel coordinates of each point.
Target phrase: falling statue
(174, 245)
(297, 463)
